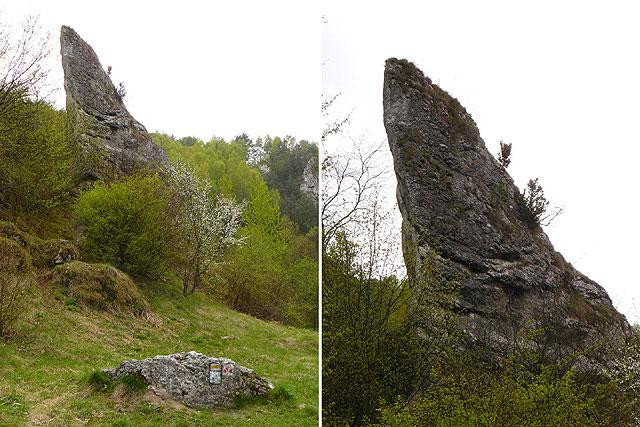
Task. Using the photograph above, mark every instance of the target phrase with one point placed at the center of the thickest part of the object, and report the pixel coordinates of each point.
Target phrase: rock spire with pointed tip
(459, 203)
(114, 143)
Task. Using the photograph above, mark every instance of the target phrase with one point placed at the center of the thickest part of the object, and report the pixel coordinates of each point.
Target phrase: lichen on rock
(456, 200)
(114, 143)
(186, 377)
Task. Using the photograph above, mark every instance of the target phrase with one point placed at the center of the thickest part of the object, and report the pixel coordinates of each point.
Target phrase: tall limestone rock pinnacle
(459, 203)
(114, 142)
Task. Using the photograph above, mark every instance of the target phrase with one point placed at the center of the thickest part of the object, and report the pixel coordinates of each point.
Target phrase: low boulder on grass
(100, 286)
(49, 253)
(191, 378)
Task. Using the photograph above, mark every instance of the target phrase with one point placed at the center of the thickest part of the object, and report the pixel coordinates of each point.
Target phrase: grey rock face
(309, 185)
(114, 142)
(458, 202)
(188, 378)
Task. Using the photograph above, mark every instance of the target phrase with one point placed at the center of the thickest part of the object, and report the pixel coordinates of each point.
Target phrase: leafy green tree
(221, 163)
(189, 141)
(38, 158)
(284, 163)
(274, 275)
(126, 224)
(255, 272)
(372, 351)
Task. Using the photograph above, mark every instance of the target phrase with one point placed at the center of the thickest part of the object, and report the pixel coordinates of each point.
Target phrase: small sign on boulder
(196, 380)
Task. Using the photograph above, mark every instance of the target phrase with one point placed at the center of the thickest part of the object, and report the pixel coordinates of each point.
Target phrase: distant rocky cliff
(114, 142)
(458, 202)
(309, 185)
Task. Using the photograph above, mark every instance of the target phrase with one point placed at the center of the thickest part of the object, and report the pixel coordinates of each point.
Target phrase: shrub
(99, 286)
(126, 224)
(533, 206)
(13, 300)
(38, 157)
(470, 397)
(121, 91)
(504, 157)
(15, 280)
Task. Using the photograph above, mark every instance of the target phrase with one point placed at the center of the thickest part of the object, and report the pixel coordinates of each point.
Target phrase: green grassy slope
(44, 370)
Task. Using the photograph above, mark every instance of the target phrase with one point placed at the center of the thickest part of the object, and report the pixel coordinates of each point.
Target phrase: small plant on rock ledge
(533, 206)
(504, 156)
(121, 91)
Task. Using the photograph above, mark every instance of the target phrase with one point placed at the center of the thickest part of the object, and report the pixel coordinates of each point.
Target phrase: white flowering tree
(207, 225)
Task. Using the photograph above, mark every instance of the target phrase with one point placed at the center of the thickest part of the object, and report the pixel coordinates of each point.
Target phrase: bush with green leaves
(274, 275)
(126, 224)
(372, 351)
(466, 390)
(469, 396)
(15, 282)
(533, 206)
(38, 158)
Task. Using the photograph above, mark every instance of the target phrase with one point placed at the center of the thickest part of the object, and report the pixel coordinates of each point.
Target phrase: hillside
(44, 372)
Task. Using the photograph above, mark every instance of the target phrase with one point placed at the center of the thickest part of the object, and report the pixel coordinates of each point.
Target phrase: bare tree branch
(23, 69)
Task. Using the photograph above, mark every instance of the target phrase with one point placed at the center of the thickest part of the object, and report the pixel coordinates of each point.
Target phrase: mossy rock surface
(13, 257)
(11, 231)
(100, 286)
(49, 253)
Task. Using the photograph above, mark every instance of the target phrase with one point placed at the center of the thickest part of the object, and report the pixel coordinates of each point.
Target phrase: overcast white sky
(559, 80)
(197, 67)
